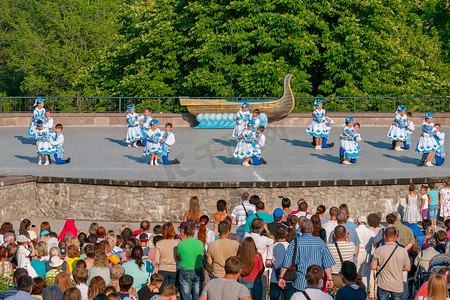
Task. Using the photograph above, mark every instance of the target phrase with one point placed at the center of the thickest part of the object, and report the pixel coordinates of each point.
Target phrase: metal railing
(74, 104)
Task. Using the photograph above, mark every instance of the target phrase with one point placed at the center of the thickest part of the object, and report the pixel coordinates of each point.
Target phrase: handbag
(291, 272)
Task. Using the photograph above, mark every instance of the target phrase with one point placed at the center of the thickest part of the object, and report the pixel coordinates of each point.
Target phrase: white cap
(362, 219)
(22, 239)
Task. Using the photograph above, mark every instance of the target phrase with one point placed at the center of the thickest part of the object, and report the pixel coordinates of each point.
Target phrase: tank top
(434, 197)
(425, 201)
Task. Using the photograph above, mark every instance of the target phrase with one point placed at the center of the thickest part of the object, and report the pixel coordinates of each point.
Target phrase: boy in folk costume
(168, 139)
(153, 146)
(397, 131)
(133, 132)
(44, 147)
(241, 119)
(427, 141)
(38, 114)
(260, 141)
(255, 118)
(348, 143)
(318, 128)
(48, 122)
(409, 130)
(440, 153)
(58, 141)
(144, 123)
(245, 149)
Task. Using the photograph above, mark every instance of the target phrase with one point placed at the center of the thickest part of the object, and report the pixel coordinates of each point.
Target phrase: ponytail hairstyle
(412, 187)
(136, 254)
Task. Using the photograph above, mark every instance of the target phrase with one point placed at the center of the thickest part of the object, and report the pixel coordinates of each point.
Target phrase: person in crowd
(74, 255)
(116, 272)
(260, 213)
(406, 234)
(332, 222)
(349, 223)
(69, 226)
(190, 254)
(165, 255)
(125, 284)
(203, 233)
(23, 254)
(341, 218)
(19, 272)
(56, 267)
(379, 240)
(89, 251)
(63, 281)
(36, 262)
(80, 276)
(424, 257)
(430, 232)
(138, 268)
(241, 212)
(72, 294)
(253, 268)
(365, 235)
(100, 268)
(437, 288)
(350, 290)
(318, 231)
(52, 292)
(277, 221)
(422, 292)
(412, 214)
(38, 287)
(314, 278)
(194, 213)
(24, 289)
(321, 209)
(374, 220)
(152, 288)
(286, 206)
(220, 250)
(302, 210)
(227, 287)
(220, 215)
(5, 266)
(168, 293)
(390, 260)
(434, 202)
(96, 286)
(313, 252)
(441, 239)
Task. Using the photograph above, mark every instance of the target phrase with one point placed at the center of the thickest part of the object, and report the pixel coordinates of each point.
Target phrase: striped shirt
(348, 251)
(310, 251)
(239, 212)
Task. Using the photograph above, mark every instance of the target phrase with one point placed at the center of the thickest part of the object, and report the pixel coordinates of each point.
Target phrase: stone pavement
(207, 155)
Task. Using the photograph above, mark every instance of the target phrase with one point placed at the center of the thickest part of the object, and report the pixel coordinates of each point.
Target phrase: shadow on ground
(379, 144)
(229, 160)
(25, 140)
(227, 143)
(31, 159)
(119, 142)
(327, 157)
(404, 159)
(298, 143)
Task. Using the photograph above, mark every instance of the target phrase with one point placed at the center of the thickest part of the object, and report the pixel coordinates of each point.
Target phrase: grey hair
(9, 236)
(116, 271)
(306, 226)
(341, 217)
(52, 292)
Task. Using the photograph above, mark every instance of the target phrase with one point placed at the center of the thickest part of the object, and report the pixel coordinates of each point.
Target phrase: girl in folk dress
(412, 214)
(246, 146)
(44, 147)
(427, 140)
(318, 128)
(38, 114)
(348, 144)
(397, 132)
(424, 199)
(241, 119)
(445, 200)
(153, 146)
(134, 131)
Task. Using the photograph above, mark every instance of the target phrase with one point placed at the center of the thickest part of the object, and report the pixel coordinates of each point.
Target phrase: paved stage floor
(207, 155)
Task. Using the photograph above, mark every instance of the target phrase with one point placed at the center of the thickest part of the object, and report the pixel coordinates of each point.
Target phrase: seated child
(44, 147)
(167, 140)
(58, 141)
(260, 141)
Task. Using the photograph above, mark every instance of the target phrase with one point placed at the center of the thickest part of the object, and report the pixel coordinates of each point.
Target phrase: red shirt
(422, 291)
(258, 269)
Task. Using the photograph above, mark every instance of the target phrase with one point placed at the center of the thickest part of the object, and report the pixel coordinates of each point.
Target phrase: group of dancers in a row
(430, 144)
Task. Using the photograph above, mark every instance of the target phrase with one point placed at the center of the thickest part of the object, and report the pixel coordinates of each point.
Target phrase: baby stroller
(436, 263)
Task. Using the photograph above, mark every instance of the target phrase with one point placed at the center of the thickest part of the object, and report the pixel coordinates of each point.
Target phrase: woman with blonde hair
(100, 268)
(74, 255)
(74, 241)
(437, 288)
(96, 286)
(63, 281)
(194, 213)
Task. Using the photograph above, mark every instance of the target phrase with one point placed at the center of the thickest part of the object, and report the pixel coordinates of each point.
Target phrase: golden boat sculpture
(273, 108)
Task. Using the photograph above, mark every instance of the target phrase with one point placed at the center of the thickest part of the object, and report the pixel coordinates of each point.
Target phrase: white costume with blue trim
(428, 141)
(397, 132)
(169, 140)
(48, 122)
(145, 126)
(440, 136)
(153, 143)
(38, 114)
(255, 120)
(246, 145)
(409, 130)
(260, 143)
(242, 118)
(318, 126)
(58, 141)
(43, 138)
(133, 131)
(350, 145)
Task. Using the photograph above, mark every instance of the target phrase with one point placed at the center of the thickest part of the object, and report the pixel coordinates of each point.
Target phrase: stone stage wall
(117, 200)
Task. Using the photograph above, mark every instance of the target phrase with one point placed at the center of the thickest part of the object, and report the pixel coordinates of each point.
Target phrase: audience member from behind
(139, 269)
(165, 255)
(169, 293)
(422, 292)
(24, 289)
(194, 213)
(72, 294)
(437, 288)
(153, 288)
(13, 290)
(253, 268)
(52, 292)
(332, 222)
(286, 206)
(220, 215)
(96, 286)
(38, 287)
(441, 237)
(116, 272)
(227, 287)
(80, 276)
(351, 290)
(241, 212)
(321, 209)
(424, 257)
(63, 281)
(125, 284)
(314, 276)
(277, 218)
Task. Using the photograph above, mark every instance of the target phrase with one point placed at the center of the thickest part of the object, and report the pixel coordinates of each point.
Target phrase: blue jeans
(191, 282)
(432, 212)
(386, 295)
(254, 287)
(275, 291)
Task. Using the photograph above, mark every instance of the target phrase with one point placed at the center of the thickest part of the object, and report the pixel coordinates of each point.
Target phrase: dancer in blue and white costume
(153, 146)
(440, 153)
(245, 149)
(255, 118)
(242, 116)
(144, 123)
(38, 114)
(348, 142)
(167, 140)
(397, 131)
(260, 141)
(428, 143)
(44, 146)
(134, 131)
(48, 122)
(409, 130)
(318, 128)
(58, 141)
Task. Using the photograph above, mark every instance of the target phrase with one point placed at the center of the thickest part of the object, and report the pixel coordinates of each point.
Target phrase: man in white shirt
(332, 222)
(366, 236)
(241, 212)
(314, 276)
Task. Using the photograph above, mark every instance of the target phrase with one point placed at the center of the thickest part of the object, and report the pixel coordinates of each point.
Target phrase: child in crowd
(434, 202)
(133, 132)
(168, 139)
(255, 118)
(153, 146)
(440, 153)
(447, 229)
(245, 148)
(397, 131)
(409, 130)
(242, 116)
(44, 146)
(350, 149)
(260, 142)
(58, 141)
(144, 123)
(445, 200)
(427, 141)
(424, 199)
(412, 214)
(38, 114)
(318, 128)
(48, 122)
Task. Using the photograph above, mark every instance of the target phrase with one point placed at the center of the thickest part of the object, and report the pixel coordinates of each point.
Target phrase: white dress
(133, 131)
(412, 214)
(428, 142)
(145, 126)
(169, 140)
(397, 131)
(242, 118)
(318, 126)
(38, 114)
(43, 138)
(246, 146)
(350, 146)
(445, 202)
(58, 141)
(153, 144)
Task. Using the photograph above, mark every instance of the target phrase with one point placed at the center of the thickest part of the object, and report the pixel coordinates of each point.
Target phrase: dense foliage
(168, 47)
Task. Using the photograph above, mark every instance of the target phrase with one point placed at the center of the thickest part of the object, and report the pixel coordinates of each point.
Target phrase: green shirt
(190, 252)
(262, 215)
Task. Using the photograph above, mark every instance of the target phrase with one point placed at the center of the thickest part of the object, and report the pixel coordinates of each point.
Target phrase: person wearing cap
(318, 127)
(134, 133)
(242, 116)
(351, 290)
(245, 148)
(277, 216)
(56, 263)
(349, 147)
(153, 146)
(365, 235)
(44, 146)
(38, 114)
(23, 254)
(427, 141)
(424, 257)
(397, 131)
